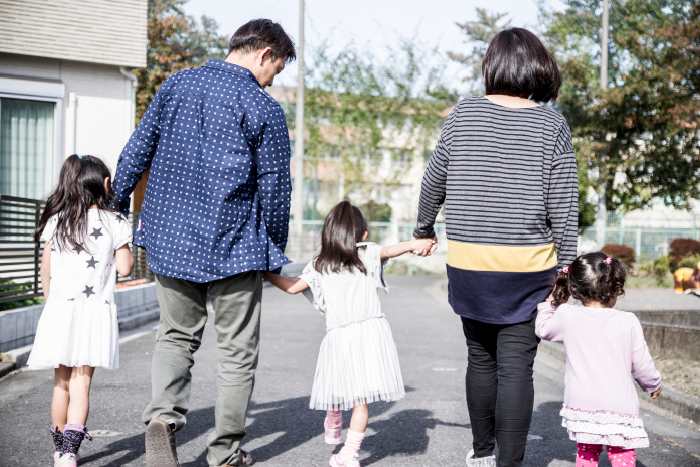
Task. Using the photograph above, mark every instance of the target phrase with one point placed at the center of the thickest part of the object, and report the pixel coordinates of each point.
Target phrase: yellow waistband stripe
(474, 257)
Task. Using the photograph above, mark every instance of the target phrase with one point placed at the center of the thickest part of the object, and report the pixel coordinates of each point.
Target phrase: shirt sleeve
(49, 229)
(643, 369)
(377, 266)
(434, 185)
(314, 293)
(561, 199)
(137, 155)
(122, 231)
(272, 157)
(549, 324)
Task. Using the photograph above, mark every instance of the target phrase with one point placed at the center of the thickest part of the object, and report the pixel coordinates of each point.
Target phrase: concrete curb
(17, 359)
(675, 402)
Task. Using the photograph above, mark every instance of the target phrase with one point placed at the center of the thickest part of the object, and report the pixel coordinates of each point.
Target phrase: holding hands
(424, 246)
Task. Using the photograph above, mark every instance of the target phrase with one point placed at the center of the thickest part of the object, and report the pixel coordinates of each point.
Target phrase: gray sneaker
(472, 461)
(160, 445)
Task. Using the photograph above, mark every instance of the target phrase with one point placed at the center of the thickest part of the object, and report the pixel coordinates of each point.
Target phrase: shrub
(681, 248)
(661, 268)
(623, 253)
(17, 290)
(645, 269)
(689, 261)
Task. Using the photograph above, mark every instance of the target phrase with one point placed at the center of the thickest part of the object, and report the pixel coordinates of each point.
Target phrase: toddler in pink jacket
(604, 346)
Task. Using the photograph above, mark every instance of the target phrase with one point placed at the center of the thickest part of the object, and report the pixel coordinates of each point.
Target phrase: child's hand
(422, 246)
(655, 394)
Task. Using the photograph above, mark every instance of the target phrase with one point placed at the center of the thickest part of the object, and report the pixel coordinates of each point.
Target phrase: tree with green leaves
(360, 110)
(176, 41)
(478, 34)
(639, 138)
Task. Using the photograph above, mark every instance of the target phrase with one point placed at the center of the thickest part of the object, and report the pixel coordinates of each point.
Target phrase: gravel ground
(430, 427)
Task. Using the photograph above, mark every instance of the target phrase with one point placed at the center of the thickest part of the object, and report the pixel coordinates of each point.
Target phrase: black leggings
(500, 391)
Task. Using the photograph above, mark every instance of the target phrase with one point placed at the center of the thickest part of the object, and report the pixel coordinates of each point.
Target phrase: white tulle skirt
(73, 334)
(357, 364)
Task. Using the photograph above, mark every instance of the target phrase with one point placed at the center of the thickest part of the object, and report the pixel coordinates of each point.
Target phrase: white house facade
(66, 85)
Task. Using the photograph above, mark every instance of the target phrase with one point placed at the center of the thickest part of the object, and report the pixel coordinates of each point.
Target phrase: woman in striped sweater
(506, 170)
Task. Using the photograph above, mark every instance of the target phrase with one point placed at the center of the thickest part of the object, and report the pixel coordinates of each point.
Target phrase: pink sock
(352, 444)
(620, 457)
(74, 427)
(334, 419)
(588, 455)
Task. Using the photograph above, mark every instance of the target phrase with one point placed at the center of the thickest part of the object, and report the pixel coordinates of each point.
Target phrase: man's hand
(655, 394)
(426, 252)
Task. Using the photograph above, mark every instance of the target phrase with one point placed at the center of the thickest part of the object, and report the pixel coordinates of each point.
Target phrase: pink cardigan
(603, 347)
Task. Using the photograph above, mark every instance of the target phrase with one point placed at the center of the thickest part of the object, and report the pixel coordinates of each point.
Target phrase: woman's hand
(655, 394)
(423, 248)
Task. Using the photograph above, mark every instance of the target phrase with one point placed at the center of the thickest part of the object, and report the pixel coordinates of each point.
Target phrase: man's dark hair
(518, 64)
(260, 33)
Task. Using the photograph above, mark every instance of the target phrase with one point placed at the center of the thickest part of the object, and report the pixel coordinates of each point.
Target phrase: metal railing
(20, 258)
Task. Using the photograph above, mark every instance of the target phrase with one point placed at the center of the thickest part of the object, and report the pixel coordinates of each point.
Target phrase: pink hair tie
(608, 260)
(565, 270)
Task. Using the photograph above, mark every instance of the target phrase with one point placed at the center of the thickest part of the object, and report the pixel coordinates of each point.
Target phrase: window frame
(40, 91)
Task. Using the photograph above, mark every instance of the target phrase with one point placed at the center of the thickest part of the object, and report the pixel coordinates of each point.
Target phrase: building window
(26, 148)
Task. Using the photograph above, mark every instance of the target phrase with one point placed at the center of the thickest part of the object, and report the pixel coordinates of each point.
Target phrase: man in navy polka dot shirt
(216, 214)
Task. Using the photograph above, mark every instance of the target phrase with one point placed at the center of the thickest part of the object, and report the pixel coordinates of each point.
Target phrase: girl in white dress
(357, 363)
(86, 244)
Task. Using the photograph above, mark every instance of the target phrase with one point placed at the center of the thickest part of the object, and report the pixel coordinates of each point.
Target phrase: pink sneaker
(56, 458)
(337, 461)
(68, 460)
(333, 434)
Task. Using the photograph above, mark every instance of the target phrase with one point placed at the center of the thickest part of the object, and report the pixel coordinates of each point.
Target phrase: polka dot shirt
(218, 195)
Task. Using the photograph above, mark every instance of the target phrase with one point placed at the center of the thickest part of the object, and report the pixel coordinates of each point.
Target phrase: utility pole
(299, 132)
(602, 213)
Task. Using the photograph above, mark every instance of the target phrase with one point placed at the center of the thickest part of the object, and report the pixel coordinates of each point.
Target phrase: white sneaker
(481, 461)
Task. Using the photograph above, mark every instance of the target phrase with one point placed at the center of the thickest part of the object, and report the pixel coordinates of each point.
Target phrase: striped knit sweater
(509, 181)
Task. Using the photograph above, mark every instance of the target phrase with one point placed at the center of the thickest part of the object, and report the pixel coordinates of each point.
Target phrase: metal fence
(648, 243)
(20, 258)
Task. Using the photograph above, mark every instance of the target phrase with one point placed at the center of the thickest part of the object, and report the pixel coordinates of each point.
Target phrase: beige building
(65, 85)
(324, 188)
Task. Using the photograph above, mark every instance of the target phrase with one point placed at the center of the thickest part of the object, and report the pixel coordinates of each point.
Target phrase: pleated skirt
(357, 364)
(73, 334)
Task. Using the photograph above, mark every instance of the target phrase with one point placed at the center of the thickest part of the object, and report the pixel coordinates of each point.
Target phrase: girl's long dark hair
(590, 278)
(343, 229)
(80, 185)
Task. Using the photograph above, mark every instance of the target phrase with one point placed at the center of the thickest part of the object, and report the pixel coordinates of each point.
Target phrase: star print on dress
(91, 262)
(97, 233)
(88, 291)
(219, 205)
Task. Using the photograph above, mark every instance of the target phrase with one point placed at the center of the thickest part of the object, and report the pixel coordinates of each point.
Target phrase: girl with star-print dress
(86, 244)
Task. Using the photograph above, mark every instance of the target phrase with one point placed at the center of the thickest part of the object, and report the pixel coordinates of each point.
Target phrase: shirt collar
(231, 68)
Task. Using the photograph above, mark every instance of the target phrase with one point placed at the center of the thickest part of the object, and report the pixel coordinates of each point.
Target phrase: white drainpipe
(134, 83)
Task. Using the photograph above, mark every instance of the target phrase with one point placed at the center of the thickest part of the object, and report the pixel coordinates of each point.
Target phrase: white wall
(97, 115)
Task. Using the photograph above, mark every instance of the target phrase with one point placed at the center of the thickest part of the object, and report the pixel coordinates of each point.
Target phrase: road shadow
(547, 441)
(405, 433)
(198, 421)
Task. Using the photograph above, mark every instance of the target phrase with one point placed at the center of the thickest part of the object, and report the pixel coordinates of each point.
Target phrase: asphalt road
(430, 427)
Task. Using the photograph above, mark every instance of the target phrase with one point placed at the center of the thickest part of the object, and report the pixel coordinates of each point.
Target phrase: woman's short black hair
(260, 33)
(518, 64)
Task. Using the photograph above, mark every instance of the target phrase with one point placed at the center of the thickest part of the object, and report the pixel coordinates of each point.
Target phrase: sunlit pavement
(430, 427)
